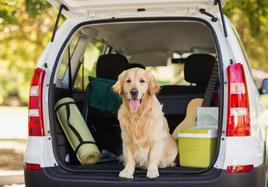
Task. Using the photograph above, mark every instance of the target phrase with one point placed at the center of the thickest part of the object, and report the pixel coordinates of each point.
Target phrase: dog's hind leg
(169, 154)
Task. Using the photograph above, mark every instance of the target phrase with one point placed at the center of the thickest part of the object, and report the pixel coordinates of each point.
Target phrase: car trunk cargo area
(181, 54)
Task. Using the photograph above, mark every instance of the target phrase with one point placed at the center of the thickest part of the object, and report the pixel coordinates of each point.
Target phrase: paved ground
(11, 161)
(13, 123)
(13, 134)
(11, 157)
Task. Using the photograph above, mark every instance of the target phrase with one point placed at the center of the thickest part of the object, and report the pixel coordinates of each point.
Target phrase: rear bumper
(49, 177)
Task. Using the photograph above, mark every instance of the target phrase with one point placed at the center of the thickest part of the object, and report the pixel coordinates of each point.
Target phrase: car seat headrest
(111, 65)
(198, 68)
(136, 65)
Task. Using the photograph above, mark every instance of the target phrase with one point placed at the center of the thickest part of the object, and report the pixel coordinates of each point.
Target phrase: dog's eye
(142, 81)
(128, 81)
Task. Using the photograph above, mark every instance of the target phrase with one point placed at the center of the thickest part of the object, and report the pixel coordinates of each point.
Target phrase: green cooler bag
(197, 147)
(76, 131)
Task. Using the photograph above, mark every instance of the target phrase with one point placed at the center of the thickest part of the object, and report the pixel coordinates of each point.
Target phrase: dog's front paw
(126, 174)
(151, 174)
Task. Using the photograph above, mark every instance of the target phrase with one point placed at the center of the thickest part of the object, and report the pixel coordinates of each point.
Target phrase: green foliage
(7, 11)
(250, 18)
(253, 12)
(36, 7)
(25, 30)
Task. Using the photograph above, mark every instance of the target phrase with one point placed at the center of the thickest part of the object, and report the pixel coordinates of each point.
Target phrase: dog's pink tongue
(134, 104)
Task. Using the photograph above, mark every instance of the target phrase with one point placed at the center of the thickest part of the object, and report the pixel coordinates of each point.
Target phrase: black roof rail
(62, 6)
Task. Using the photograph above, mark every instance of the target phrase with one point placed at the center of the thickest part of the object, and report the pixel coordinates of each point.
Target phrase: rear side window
(88, 63)
(64, 64)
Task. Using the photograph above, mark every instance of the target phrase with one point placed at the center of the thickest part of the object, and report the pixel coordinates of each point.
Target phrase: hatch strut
(213, 18)
(62, 6)
(224, 26)
(222, 17)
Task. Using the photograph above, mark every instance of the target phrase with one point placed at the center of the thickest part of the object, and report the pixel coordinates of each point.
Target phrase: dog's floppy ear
(117, 87)
(153, 86)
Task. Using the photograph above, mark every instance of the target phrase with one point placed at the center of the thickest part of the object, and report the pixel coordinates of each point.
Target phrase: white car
(179, 41)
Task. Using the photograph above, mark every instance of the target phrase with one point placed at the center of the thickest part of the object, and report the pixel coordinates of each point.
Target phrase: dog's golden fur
(147, 142)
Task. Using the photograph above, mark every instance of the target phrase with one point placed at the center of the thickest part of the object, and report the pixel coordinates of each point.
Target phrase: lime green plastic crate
(197, 147)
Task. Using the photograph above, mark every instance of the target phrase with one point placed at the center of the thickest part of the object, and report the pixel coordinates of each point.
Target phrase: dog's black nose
(134, 92)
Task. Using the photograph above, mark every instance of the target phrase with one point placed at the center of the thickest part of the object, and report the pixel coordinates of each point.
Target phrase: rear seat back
(175, 98)
(101, 120)
(198, 69)
(108, 68)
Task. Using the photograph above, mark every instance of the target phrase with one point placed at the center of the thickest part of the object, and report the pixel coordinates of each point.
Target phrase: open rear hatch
(111, 8)
(120, 8)
(66, 157)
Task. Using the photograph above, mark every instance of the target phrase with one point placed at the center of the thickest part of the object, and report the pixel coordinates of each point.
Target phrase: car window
(64, 64)
(171, 74)
(88, 64)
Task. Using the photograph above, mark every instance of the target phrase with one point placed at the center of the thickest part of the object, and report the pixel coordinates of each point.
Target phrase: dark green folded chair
(100, 112)
(100, 95)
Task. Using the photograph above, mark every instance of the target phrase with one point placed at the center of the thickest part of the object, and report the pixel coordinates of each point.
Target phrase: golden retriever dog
(147, 142)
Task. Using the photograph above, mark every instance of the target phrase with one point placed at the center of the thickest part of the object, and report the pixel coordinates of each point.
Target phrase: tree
(250, 18)
(26, 27)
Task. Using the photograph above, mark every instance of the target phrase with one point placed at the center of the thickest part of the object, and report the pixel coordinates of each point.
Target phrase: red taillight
(34, 167)
(238, 120)
(35, 121)
(239, 169)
